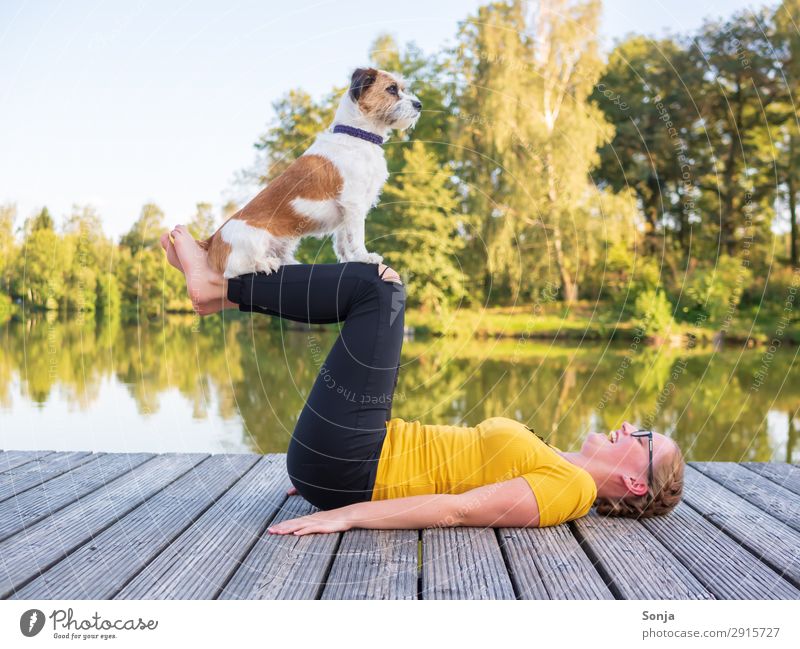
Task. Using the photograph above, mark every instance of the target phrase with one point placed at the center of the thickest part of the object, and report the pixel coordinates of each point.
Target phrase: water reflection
(238, 385)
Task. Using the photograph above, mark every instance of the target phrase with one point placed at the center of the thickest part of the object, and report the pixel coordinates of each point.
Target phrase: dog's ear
(362, 79)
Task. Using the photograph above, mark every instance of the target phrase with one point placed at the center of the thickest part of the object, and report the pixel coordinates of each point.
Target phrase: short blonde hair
(667, 492)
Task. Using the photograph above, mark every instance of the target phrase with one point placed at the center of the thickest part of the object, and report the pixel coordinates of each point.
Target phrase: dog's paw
(367, 258)
(268, 265)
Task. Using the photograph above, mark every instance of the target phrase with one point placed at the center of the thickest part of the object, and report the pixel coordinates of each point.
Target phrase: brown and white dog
(328, 189)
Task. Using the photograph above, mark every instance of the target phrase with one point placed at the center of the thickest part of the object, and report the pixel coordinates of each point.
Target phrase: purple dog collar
(360, 133)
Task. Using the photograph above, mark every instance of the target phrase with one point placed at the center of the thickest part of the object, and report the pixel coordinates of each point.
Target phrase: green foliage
(416, 227)
(646, 92)
(40, 280)
(697, 120)
(202, 224)
(9, 250)
(86, 251)
(527, 136)
(537, 173)
(653, 313)
(713, 293)
(42, 221)
(431, 79)
(313, 250)
(298, 119)
(630, 276)
(145, 232)
(108, 296)
(148, 286)
(6, 308)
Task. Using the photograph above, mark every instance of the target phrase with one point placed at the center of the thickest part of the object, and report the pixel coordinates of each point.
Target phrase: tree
(298, 119)
(9, 249)
(418, 231)
(88, 251)
(492, 155)
(42, 221)
(40, 281)
(147, 284)
(229, 209)
(428, 77)
(202, 224)
(733, 146)
(567, 66)
(787, 137)
(529, 131)
(647, 92)
(146, 230)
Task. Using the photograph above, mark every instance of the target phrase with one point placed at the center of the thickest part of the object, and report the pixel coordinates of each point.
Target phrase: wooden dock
(85, 525)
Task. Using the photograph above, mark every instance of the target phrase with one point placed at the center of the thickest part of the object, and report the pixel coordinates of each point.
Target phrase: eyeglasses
(649, 435)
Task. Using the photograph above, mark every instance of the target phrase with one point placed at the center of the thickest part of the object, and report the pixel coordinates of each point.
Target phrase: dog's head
(383, 98)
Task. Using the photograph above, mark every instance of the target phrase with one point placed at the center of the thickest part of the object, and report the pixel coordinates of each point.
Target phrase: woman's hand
(323, 522)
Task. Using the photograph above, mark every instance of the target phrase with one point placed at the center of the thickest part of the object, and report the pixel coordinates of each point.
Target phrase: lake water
(238, 384)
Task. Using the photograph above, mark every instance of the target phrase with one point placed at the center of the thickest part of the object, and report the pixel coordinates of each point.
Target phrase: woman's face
(622, 454)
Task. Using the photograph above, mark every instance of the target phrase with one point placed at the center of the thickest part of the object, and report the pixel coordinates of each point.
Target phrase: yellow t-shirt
(425, 459)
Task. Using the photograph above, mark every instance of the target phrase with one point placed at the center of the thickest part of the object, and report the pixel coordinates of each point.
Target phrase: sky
(117, 103)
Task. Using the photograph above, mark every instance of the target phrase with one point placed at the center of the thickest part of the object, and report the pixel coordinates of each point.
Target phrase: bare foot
(172, 256)
(207, 289)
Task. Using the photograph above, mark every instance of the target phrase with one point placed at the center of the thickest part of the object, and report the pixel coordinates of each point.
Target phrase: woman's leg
(333, 454)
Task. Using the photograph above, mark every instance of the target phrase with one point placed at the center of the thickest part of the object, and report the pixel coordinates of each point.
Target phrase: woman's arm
(502, 504)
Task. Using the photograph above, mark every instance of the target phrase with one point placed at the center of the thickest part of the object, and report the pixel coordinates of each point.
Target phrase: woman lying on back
(363, 468)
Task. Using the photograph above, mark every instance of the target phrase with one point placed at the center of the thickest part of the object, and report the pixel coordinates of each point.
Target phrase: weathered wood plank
(12, 459)
(284, 566)
(31, 474)
(777, 544)
(633, 562)
(199, 563)
(40, 502)
(721, 564)
(549, 563)
(463, 563)
(163, 533)
(786, 475)
(374, 564)
(38, 547)
(100, 568)
(769, 497)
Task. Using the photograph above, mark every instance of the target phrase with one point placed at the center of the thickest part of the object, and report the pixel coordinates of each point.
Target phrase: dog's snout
(417, 104)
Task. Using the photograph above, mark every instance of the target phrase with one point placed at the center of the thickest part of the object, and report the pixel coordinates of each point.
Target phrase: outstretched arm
(502, 504)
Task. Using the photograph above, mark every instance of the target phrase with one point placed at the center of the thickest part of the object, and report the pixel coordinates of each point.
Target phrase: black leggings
(333, 454)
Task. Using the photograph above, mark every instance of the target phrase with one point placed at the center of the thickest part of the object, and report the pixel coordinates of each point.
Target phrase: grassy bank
(598, 321)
